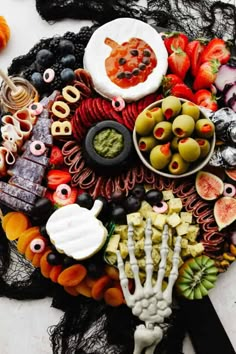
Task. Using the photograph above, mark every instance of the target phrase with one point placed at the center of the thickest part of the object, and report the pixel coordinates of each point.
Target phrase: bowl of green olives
(173, 137)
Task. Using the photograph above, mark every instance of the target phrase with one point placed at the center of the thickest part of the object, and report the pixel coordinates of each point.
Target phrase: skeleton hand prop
(148, 302)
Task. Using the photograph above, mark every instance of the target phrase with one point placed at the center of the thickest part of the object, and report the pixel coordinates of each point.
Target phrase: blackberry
(53, 45)
(71, 36)
(56, 84)
(79, 51)
(85, 34)
(28, 73)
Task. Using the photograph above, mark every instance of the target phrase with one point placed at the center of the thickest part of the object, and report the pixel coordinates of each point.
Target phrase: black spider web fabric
(203, 18)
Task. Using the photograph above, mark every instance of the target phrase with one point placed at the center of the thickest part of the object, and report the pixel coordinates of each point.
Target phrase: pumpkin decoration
(4, 32)
(126, 58)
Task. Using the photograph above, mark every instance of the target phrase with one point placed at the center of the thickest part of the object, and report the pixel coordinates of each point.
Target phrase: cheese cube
(186, 216)
(141, 263)
(167, 195)
(156, 236)
(175, 205)
(156, 257)
(145, 209)
(182, 228)
(173, 220)
(192, 233)
(123, 249)
(122, 230)
(184, 242)
(196, 250)
(139, 231)
(128, 270)
(112, 246)
(160, 221)
(139, 248)
(135, 218)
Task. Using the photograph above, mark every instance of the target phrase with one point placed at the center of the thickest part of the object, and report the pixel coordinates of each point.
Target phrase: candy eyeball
(118, 103)
(37, 245)
(160, 208)
(36, 108)
(229, 190)
(63, 191)
(37, 148)
(48, 75)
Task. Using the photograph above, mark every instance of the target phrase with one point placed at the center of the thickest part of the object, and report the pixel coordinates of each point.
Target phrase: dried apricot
(45, 266)
(16, 224)
(6, 218)
(112, 272)
(71, 290)
(54, 274)
(73, 275)
(100, 286)
(26, 237)
(114, 297)
(83, 289)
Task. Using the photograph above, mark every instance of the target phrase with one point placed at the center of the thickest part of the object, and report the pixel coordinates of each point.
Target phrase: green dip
(108, 143)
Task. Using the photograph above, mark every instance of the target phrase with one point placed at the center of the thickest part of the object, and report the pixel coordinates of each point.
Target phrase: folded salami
(27, 185)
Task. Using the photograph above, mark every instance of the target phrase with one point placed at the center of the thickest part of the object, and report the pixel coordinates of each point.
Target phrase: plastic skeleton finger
(162, 266)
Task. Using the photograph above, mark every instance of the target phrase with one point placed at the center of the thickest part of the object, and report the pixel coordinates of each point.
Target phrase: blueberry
(54, 258)
(94, 270)
(118, 215)
(67, 75)
(139, 191)
(85, 200)
(44, 58)
(68, 60)
(66, 47)
(153, 197)
(132, 204)
(42, 208)
(37, 80)
(68, 261)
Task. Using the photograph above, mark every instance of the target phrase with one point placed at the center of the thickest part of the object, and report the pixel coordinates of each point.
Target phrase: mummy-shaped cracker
(149, 303)
(76, 231)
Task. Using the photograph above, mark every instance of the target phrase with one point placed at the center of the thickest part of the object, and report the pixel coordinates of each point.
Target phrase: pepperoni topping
(129, 63)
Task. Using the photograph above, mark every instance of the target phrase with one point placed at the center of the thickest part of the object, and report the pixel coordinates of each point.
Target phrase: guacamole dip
(108, 143)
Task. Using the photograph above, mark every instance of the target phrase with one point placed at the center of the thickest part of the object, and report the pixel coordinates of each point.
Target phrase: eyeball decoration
(63, 191)
(48, 75)
(36, 108)
(160, 208)
(118, 103)
(37, 245)
(37, 148)
(229, 190)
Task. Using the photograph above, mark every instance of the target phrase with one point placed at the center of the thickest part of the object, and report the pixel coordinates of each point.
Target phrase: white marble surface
(24, 324)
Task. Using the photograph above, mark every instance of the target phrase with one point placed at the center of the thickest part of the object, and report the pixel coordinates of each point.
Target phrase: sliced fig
(225, 211)
(208, 186)
(225, 76)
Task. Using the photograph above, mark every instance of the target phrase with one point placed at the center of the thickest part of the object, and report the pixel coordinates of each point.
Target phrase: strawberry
(194, 50)
(182, 91)
(169, 81)
(56, 157)
(216, 49)
(206, 74)
(175, 40)
(179, 63)
(206, 99)
(69, 200)
(57, 177)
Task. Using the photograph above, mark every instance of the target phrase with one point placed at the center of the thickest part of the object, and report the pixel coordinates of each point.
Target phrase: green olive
(160, 156)
(191, 109)
(157, 114)
(178, 165)
(145, 123)
(146, 143)
(171, 107)
(163, 131)
(174, 143)
(189, 149)
(204, 147)
(204, 128)
(183, 126)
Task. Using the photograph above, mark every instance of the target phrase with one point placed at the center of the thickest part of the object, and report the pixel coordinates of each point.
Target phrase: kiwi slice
(196, 277)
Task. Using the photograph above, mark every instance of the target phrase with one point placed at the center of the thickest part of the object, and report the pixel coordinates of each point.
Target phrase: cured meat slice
(15, 203)
(17, 192)
(30, 170)
(27, 185)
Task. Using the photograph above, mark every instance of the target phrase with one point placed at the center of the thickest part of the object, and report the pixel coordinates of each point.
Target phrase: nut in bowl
(173, 137)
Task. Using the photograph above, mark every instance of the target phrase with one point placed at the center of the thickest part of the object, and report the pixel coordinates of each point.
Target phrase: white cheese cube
(192, 233)
(145, 209)
(135, 218)
(184, 242)
(167, 195)
(173, 220)
(128, 270)
(196, 250)
(160, 221)
(182, 228)
(186, 216)
(139, 248)
(156, 235)
(123, 249)
(122, 230)
(175, 205)
(139, 231)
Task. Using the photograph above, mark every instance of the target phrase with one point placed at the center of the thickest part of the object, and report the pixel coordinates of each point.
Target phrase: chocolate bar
(27, 185)
(30, 170)
(17, 192)
(15, 203)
